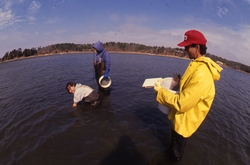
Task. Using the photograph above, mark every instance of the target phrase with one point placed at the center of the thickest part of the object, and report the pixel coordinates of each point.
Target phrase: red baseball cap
(193, 37)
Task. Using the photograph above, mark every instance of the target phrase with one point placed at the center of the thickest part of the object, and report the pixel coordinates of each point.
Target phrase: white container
(105, 82)
(166, 83)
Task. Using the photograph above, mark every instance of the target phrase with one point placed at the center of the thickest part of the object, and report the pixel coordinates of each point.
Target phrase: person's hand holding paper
(160, 80)
(157, 87)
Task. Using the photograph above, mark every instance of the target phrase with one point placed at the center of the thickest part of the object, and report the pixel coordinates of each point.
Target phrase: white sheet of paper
(150, 82)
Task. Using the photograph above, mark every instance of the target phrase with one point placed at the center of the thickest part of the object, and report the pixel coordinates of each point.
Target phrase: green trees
(161, 49)
(18, 53)
(5, 57)
(29, 52)
(66, 47)
(26, 52)
(122, 46)
(230, 64)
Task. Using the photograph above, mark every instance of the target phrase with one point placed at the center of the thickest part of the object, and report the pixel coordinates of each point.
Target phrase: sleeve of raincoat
(191, 93)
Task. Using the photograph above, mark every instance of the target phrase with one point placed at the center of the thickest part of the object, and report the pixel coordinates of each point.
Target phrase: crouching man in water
(101, 65)
(83, 92)
(197, 90)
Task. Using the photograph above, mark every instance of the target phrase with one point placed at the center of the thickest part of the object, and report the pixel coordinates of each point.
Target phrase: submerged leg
(177, 146)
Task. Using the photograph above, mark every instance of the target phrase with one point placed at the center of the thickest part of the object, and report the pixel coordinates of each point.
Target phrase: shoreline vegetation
(113, 47)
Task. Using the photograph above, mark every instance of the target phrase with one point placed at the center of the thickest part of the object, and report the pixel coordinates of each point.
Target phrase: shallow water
(39, 126)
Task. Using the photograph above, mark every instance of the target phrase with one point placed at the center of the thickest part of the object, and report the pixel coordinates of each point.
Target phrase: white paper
(150, 82)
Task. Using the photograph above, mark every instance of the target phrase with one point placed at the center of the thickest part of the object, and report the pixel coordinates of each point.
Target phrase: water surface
(38, 124)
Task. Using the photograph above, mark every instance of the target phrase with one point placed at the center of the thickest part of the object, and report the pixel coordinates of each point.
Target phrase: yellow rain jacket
(190, 107)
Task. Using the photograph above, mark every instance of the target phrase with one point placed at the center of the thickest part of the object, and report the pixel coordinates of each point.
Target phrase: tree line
(19, 53)
(118, 47)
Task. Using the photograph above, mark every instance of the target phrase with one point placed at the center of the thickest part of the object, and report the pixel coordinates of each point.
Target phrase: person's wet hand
(157, 87)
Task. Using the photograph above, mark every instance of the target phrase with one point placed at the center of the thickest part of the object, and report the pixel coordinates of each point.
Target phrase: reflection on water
(125, 153)
(38, 124)
(87, 114)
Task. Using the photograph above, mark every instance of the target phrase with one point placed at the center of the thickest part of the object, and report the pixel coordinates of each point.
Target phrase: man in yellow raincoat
(190, 107)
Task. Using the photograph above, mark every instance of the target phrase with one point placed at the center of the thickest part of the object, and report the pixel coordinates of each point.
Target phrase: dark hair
(179, 76)
(70, 84)
(203, 48)
(192, 45)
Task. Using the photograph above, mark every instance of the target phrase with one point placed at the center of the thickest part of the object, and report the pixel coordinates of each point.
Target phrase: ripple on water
(38, 124)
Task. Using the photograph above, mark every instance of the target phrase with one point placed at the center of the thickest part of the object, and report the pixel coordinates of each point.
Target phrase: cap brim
(184, 43)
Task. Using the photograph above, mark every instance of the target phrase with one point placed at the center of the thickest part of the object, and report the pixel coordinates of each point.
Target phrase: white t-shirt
(81, 91)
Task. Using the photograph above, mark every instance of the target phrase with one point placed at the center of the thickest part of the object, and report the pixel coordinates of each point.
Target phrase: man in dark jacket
(101, 65)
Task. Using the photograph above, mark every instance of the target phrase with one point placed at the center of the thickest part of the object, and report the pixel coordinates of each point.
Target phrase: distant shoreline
(41, 55)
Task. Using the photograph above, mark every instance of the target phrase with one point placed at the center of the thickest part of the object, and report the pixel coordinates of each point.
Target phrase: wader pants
(177, 146)
(100, 69)
(93, 98)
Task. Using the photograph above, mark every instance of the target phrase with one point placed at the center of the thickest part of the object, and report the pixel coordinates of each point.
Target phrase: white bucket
(166, 83)
(105, 82)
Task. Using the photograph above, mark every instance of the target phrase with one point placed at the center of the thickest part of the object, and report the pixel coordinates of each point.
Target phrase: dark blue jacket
(100, 50)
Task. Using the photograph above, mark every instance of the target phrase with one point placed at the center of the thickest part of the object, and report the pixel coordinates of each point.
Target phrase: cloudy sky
(225, 23)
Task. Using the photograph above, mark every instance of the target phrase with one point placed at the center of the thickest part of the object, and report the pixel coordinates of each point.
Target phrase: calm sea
(38, 124)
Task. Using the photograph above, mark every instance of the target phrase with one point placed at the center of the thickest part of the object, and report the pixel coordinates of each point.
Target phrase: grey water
(38, 124)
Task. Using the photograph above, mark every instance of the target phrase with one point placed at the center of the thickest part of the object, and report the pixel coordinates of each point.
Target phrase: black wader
(100, 69)
(93, 98)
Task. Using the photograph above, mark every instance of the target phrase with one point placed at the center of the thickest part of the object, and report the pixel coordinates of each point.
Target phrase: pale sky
(225, 23)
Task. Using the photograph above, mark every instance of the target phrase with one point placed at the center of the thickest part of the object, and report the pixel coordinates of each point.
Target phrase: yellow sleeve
(191, 93)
